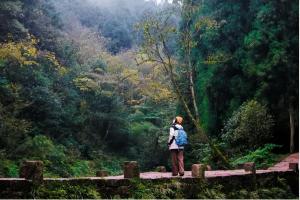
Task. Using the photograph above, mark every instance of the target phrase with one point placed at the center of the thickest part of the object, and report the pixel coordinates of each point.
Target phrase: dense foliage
(262, 157)
(66, 100)
(74, 94)
(229, 39)
(248, 128)
(245, 50)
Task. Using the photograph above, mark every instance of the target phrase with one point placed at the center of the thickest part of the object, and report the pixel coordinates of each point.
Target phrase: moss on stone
(266, 186)
(177, 189)
(64, 190)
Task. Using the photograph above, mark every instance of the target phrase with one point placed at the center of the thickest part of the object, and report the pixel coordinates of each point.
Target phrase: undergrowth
(61, 190)
(202, 190)
(262, 157)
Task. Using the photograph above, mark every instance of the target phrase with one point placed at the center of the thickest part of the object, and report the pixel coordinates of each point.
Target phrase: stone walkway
(279, 167)
(282, 166)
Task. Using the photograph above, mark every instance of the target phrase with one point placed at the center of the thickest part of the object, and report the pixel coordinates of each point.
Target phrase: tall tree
(158, 32)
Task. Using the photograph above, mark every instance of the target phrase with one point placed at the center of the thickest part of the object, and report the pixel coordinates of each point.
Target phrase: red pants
(177, 162)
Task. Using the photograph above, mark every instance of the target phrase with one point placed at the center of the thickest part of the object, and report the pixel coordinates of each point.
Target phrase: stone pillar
(250, 167)
(161, 169)
(198, 170)
(131, 169)
(294, 166)
(32, 170)
(102, 173)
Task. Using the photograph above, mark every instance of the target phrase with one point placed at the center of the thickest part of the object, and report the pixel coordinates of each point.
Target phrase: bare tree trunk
(292, 129)
(192, 88)
(158, 52)
(107, 131)
(197, 124)
(182, 100)
(197, 116)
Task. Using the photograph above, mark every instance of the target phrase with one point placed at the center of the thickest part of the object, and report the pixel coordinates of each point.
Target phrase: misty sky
(159, 1)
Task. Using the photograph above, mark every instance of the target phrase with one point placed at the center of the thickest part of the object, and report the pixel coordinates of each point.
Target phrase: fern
(262, 157)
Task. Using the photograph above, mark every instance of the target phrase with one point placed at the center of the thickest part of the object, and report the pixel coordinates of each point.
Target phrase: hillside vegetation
(86, 85)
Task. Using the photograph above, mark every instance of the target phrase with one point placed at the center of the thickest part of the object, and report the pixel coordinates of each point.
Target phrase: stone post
(161, 169)
(32, 170)
(131, 169)
(294, 166)
(198, 170)
(250, 167)
(102, 173)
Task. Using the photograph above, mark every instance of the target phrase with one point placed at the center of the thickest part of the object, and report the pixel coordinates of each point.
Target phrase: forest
(88, 84)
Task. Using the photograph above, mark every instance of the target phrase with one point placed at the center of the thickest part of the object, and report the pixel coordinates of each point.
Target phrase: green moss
(177, 189)
(280, 190)
(59, 190)
(150, 190)
(262, 193)
(174, 189)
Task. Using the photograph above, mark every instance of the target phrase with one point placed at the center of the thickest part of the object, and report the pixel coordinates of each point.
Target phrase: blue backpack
(181, 139)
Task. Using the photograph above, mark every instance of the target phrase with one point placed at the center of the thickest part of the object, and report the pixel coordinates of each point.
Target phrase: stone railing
(31, 176)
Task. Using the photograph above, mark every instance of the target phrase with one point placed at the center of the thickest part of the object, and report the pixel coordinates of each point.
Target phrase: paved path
(284, 164)
(281, 167)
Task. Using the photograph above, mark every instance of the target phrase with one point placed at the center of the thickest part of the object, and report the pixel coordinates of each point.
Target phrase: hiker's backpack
(181, 139)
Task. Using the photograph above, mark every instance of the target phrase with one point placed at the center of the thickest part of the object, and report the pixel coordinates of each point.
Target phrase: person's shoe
(174, 174)
(182, 174)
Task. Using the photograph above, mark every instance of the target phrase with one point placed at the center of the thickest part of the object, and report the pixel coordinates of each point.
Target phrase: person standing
(177, 140)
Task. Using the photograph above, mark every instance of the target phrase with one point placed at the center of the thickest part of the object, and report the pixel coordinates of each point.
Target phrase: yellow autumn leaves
(26, 53)
(23, 52)
(50, 56)
(122, 75)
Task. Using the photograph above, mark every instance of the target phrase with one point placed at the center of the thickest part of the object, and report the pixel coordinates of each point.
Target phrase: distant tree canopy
(113, 20)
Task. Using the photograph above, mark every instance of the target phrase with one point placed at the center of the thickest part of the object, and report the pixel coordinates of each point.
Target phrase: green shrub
(81, 168)
(263, 157)
(54, 157)
(40, 147)
(202, 153)
(111, 164)
(9, 168)
(249, 128)
(58, 162)
(12, 170)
